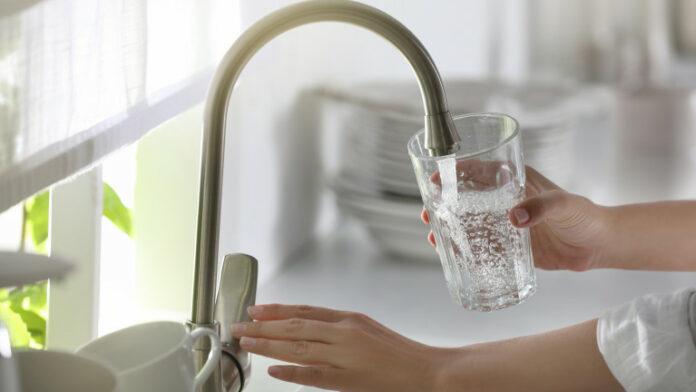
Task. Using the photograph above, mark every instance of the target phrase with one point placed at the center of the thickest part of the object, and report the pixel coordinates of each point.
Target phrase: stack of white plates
(392, 221)
(375, 150)
(376, 183)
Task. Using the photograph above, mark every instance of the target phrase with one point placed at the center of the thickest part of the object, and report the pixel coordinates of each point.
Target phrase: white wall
(166, 203)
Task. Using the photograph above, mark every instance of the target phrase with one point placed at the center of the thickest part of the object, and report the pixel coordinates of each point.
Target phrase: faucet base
(201, 349)
(235, 365)
(232, 371)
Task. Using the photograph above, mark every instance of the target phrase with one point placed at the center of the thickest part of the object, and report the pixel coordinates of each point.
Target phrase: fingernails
(254, 310)
(521, 215)
(239, 328)
(247, 342)
(274, 371)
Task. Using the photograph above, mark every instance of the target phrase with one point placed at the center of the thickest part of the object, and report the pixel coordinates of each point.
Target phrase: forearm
(653, 236)
(563, 360)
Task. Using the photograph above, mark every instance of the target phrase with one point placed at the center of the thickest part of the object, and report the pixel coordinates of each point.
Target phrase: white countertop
(345, 271)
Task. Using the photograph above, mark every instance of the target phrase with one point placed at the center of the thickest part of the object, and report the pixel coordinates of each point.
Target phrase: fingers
(536, 209)
(425, 217)
(282, 312)
(298, 351)
(538, 181)
(320, 377)
(431, 238)
(290, 329)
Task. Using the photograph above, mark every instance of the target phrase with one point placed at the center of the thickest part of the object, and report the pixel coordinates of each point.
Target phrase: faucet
(237, 288)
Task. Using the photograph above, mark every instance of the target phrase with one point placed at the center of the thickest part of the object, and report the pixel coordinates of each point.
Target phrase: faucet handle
(237, 292)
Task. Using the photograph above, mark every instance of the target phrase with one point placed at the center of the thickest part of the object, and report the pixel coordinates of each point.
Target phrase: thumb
(538, 208)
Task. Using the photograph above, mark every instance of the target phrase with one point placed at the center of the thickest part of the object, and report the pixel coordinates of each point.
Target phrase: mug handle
(213, 357)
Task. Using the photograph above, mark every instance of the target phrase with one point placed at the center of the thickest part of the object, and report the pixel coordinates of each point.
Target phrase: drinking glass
(487, 262)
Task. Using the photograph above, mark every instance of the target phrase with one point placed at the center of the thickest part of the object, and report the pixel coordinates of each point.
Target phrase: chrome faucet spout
(441, 135)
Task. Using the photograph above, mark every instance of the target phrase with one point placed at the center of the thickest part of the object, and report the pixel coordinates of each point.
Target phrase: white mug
(155, 357)
(54, 371)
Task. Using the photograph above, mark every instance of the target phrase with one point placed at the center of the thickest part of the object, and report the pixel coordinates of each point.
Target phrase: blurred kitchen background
(604, 91)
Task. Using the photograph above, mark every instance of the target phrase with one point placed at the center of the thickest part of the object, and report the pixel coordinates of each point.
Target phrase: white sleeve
(649, 344)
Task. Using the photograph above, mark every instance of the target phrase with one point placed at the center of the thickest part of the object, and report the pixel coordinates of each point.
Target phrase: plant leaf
(19, 335)
(26, 309)
(38, 297)
(37, 220)
(30, 297)
(116, 211)
(35, 325)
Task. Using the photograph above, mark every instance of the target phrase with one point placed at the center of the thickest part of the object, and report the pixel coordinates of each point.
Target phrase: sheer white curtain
(81, 78)
(79, 62)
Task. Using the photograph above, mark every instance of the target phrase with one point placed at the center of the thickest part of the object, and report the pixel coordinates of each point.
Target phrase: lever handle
(237, 292)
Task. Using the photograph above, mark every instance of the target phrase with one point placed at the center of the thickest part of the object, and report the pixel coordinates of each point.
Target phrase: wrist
(449, 371)
(610, 252)
(476, 367)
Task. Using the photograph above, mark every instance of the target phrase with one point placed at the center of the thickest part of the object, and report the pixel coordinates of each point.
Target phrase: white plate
(406, 239)
(18, 269)
(404, 245)
(377, 218)
(359, 193)
(393, 222)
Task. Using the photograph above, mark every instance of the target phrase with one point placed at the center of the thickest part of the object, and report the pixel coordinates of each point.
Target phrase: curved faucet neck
(441, 136)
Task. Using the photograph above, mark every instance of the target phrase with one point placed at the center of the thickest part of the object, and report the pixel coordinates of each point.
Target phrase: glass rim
(509, 138)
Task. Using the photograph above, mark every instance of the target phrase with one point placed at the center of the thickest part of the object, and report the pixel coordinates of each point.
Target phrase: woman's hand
(339, 350)
(567, 231)
(350, 352)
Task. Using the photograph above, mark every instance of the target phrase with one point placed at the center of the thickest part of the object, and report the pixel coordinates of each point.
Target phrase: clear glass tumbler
(487, 262)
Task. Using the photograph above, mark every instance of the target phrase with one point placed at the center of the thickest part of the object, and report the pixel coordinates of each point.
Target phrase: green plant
(114, 210)
(35, 222)
(25, 309)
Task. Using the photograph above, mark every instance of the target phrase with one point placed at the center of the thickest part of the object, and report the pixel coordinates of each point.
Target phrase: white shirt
(649, 344)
